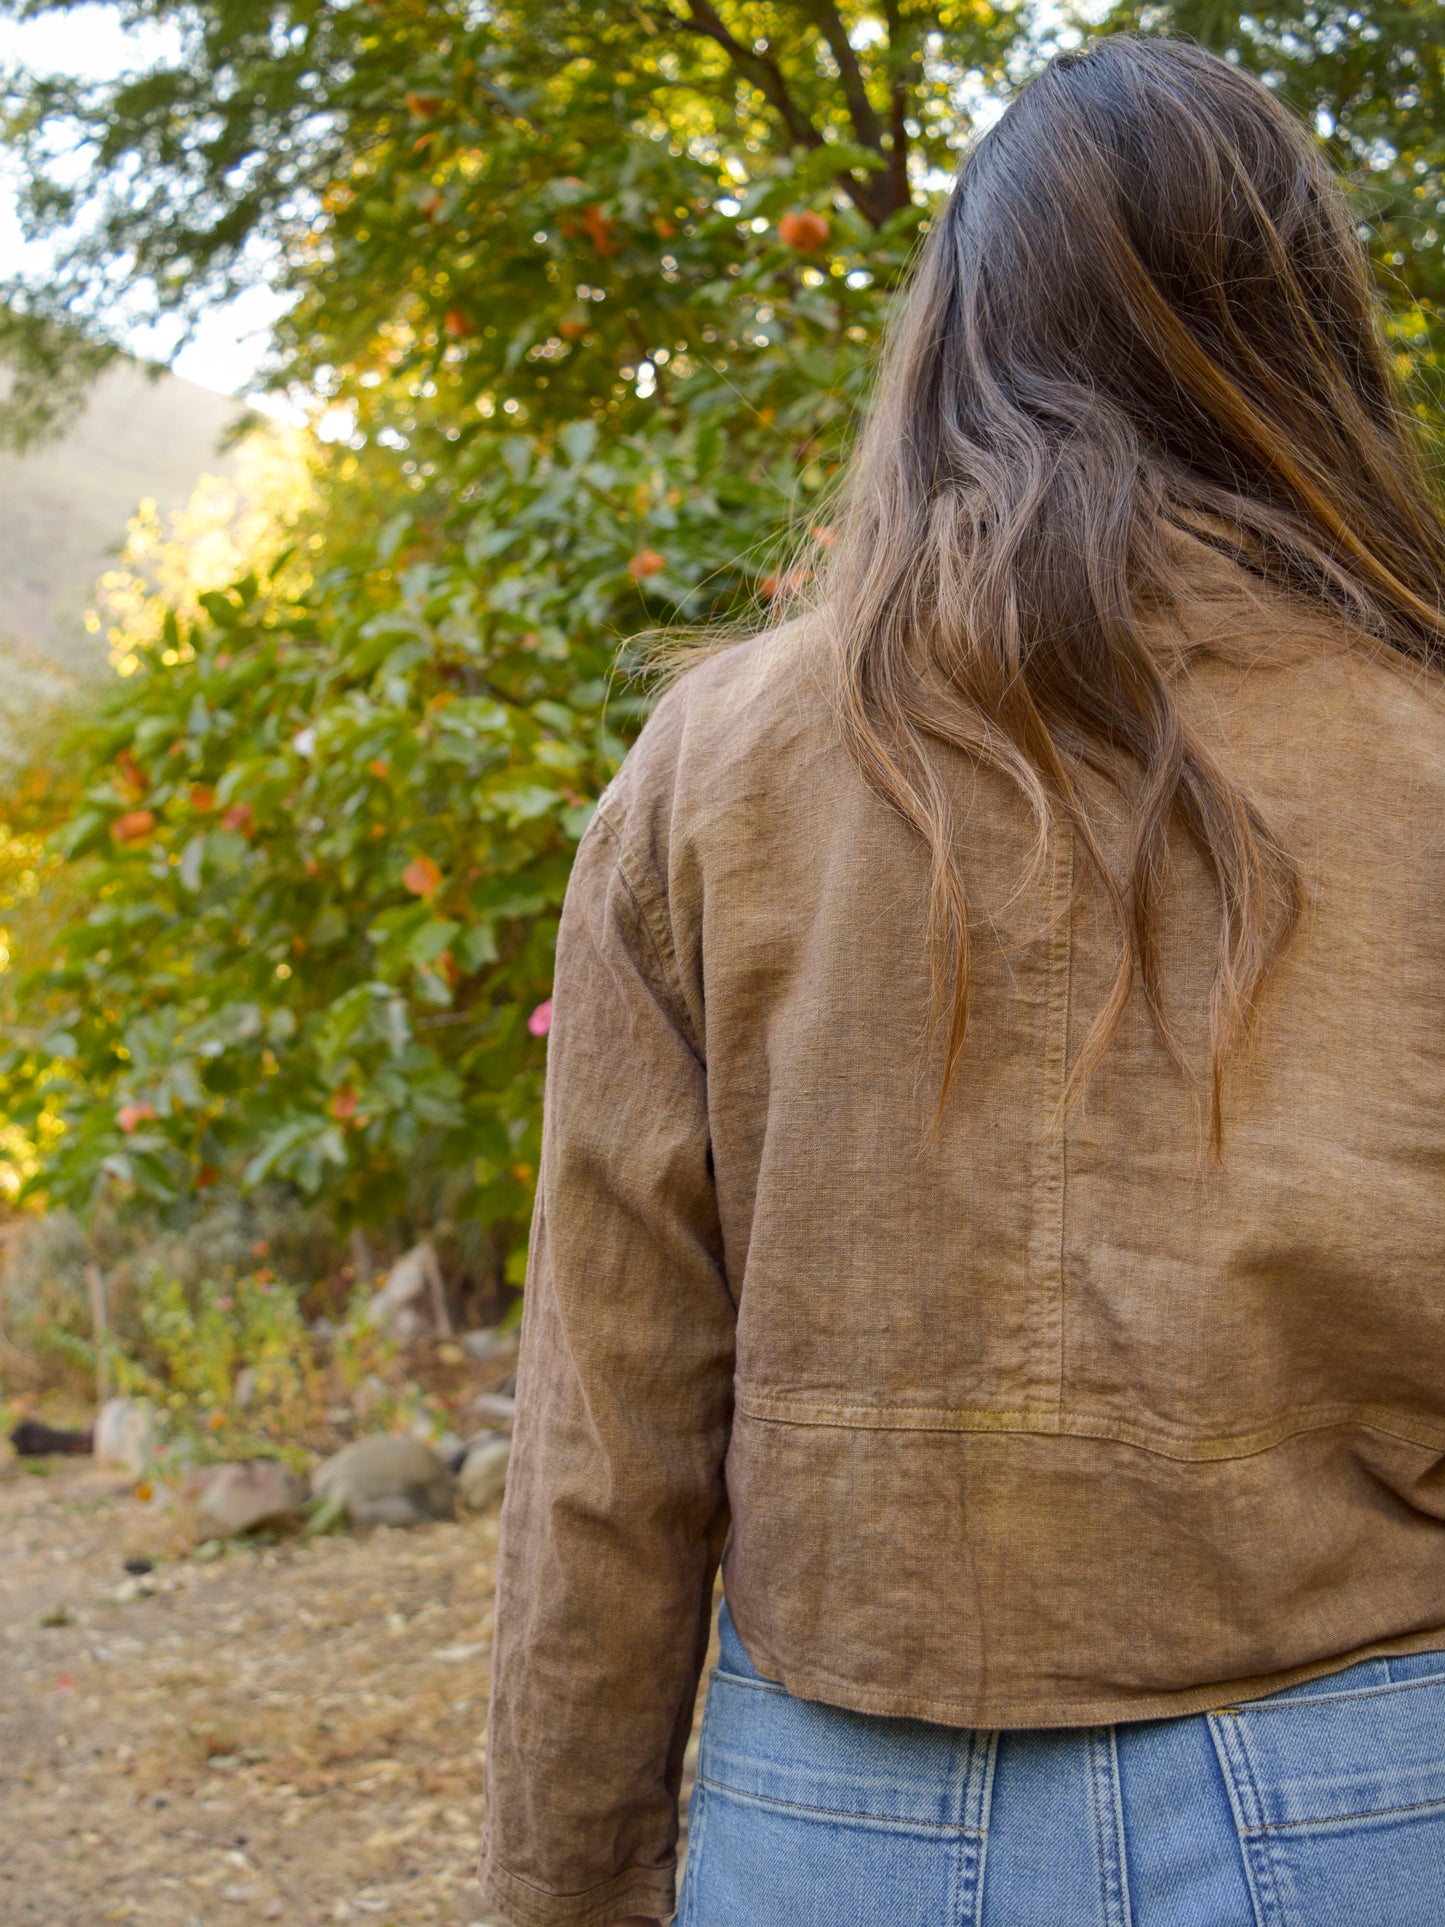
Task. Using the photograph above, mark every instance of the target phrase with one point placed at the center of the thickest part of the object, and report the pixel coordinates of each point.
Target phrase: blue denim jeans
(1321, 1806)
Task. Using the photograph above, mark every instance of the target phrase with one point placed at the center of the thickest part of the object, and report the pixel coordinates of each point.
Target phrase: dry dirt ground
(291, 1733)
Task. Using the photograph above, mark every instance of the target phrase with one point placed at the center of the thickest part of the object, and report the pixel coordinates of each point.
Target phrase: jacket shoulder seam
(652, 915)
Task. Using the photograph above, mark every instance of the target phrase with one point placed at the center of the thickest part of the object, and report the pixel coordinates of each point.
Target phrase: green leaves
(316, 961)
(318, 842)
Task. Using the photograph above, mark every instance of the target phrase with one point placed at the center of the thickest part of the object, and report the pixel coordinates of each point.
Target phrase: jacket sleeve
(615, 1508)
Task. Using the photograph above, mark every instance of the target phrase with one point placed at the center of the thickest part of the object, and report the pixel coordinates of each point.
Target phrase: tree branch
(867, 124)
(764, 72)
(702, 18)
(897, 108)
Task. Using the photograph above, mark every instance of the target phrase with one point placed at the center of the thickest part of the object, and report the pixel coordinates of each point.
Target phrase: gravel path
(291, 1733)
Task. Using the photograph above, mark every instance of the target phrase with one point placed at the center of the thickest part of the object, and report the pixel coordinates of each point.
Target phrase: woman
(995, 1142)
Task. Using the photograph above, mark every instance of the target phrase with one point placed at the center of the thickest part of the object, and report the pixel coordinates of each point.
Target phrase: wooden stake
(438, 1288)
(96, 1280)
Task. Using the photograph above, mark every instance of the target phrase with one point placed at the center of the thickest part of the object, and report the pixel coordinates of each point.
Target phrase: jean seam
(985, 1817)
(1108, 1827)
(1278, 1703)
(692, 1872)
(1237, 1774)
(887, 1823)
(977, 1797)
(1331, 1819)
(742, 1679)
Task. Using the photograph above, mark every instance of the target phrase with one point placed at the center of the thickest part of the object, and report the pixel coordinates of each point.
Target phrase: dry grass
(293, 1733)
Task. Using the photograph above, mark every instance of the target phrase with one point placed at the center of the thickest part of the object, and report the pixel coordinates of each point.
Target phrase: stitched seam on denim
(888, 1823)
(1272, 1705)
(1108, 1827)
(776, 1409)
(1101, 1869)
(692, 1872)
(1333, 1819)
(1256, 1833)
(965, 1902)
(972, 1776)
(756, 1685)
(978, 1793)
(959, 1776)
(988, 1743)
(1261, 1903)
(1126, 1913)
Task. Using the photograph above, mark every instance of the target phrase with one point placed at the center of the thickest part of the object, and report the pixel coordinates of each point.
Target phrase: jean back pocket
(810, 1815)
(1339, 1798)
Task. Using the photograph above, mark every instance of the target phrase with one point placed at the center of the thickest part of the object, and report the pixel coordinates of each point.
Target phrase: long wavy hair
(1144, 308)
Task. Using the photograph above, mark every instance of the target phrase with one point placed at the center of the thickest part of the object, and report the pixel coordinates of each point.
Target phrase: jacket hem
(636, 1890)
(992, 1712)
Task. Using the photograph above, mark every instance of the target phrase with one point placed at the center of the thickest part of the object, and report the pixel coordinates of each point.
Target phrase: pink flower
(540, 1021)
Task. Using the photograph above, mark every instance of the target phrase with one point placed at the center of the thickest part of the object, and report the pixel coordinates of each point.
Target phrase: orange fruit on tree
(422, 876)
(803, 230)
(132, 777)
(131, 827)
(598, 228)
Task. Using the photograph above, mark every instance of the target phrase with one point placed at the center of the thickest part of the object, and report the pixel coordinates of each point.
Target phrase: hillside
(63, 512)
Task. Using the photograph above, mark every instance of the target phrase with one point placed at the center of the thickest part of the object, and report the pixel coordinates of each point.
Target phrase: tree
(601, 342)
(383, 160)
(594, 292)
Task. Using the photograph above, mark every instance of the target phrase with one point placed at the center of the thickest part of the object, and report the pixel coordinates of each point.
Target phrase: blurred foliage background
(585, 295)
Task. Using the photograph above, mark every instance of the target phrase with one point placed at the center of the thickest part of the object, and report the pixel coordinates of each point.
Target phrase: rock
(386, 1481)
(125, 1437)
(448, 1446)
(496, 1406)
(398, 1307)
(238, 1498)
(243, 1392)
(130, 1589)
(487, 1343)
(484, 1473)
(32, 1440)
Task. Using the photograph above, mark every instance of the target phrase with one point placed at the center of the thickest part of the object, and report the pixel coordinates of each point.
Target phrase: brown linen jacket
(1012, 1427)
